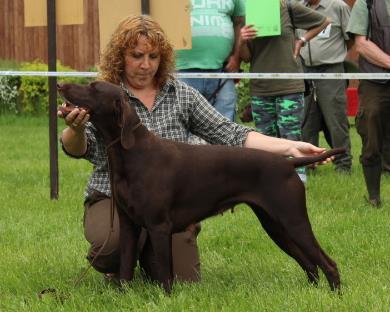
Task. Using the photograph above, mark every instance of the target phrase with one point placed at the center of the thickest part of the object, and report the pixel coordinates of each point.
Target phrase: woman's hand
(283, 147)
(73, 137)
(76, 118)
(304, 149)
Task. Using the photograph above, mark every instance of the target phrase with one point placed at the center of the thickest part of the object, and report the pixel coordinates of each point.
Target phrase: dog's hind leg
(161, 242)
(280, 237)
(332, 275)
(303, 236)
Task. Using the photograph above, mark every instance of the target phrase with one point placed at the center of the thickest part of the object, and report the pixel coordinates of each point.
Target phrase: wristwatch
(303, 39)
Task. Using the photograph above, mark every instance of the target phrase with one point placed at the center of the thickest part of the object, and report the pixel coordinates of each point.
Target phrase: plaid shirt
(178, 110)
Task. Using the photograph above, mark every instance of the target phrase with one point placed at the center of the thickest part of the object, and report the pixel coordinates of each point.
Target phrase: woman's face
(141, 64)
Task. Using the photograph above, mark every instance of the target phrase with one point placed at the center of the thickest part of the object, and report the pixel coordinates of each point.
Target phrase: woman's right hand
(73, 137)
(75, 118)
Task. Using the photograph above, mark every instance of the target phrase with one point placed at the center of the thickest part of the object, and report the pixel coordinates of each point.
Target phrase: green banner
(264, 15)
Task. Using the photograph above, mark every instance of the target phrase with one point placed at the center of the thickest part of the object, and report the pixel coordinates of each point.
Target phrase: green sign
(264, 15)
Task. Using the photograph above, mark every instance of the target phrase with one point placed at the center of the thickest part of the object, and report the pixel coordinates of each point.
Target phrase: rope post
(145, 7)
(52, 59)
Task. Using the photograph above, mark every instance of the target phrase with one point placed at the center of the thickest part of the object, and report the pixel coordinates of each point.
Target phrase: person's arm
(371, 52)
(73, 137)
(308, 35)
(233, 62)
(280, 146)
(247, 33)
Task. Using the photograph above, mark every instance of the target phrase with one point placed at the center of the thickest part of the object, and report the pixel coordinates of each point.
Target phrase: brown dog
(164, 186)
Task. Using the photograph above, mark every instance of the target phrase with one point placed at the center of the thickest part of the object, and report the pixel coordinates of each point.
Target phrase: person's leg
(264, 114)
(206, 87)
(226, 99)
(311, 121)
(332, 101)
(185, 255)
(370, 121)
(290, 112)
(97, 226)
(198, 84)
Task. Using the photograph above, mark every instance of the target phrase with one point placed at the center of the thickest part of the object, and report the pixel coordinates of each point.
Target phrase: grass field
(42, 244)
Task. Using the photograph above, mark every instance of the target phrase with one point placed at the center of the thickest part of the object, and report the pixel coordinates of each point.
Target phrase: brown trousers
(186, 264)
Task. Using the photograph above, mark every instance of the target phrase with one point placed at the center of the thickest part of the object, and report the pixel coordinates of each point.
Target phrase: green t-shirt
(275, 54)
(212, 34)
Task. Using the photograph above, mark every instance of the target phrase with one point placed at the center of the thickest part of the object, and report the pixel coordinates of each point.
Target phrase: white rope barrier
(218, 75)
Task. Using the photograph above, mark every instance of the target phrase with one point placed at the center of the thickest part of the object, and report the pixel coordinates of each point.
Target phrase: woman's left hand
(304, 149)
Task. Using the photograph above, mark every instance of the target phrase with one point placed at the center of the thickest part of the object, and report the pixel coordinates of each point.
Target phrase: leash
(112, 214)
(53, 291)
(112, 210)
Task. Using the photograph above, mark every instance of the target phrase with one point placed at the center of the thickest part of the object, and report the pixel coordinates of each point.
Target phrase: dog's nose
(60, 86)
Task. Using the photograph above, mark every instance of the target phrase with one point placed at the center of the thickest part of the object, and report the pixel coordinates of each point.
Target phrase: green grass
(42, 244)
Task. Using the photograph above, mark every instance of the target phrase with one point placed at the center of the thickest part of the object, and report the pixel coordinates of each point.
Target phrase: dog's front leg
(162, 250)
(128, 239)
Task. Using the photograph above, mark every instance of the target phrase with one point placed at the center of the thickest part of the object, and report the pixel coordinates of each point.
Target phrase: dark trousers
(372, 120)
(186, 264)
(327, 111)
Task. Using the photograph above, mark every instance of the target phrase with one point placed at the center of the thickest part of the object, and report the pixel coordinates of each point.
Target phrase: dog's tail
(304, 161)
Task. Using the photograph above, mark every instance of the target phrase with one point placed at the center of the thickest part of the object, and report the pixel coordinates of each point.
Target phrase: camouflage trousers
(279, 116)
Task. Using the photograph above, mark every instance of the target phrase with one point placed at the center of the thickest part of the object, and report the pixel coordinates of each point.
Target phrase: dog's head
(106, 104)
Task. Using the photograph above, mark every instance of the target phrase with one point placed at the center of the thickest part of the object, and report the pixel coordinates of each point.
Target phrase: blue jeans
(225, 99)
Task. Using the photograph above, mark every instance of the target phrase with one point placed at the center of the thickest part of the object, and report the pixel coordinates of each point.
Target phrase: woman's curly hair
(126, 36)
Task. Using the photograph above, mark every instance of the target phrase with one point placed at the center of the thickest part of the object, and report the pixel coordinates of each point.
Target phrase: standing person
(277, 105)
(215, 32)
(371, 31)
(140, 59)
(325, 53)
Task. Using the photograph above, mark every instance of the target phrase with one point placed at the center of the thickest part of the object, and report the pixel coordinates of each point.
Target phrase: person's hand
(304, 149)
(247, 32)
(233, 64)
(297, 49)
(75, 118)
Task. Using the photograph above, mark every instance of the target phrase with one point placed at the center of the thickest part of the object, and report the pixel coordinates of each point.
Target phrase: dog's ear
(127, 135)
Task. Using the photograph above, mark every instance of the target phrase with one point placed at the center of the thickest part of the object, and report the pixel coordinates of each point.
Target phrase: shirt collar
(169, 84)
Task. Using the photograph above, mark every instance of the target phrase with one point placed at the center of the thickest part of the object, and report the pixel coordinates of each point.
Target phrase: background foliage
(29, 94)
